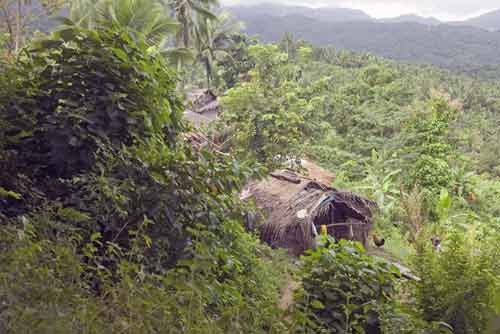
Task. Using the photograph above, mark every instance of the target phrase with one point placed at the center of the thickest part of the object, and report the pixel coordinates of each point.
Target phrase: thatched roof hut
(296, 206)
(203, 107)
(200, 98)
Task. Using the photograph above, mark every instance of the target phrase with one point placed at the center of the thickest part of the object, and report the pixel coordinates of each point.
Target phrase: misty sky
(442, 9)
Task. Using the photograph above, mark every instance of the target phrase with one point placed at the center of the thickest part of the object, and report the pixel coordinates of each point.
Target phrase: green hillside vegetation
(111, 221)
(463, 47)
(415, 139)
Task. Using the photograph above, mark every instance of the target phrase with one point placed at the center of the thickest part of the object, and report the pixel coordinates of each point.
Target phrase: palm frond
(147, 19)
(204, 12)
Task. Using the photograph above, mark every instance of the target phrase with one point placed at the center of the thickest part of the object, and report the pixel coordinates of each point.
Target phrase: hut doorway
(339, 221)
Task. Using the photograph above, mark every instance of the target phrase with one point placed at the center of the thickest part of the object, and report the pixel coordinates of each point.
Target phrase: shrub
(92, 137)
(458, 285)
(343, 288)
(222, 289)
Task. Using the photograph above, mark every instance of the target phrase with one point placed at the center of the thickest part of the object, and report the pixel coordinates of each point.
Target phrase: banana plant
(380, 183)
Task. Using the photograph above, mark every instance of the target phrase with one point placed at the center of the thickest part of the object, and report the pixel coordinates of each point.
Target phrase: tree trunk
(178, 43)
(182, 37)
(185, 29)
(18, 26)
(180, 84)
(207, 66)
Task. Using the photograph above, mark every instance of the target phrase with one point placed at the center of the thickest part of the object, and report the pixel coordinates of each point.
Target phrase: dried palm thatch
(202, 108)
(296, 206)
(200, 98)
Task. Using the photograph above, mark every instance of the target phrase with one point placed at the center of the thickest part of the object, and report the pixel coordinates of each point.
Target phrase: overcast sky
(442, 9)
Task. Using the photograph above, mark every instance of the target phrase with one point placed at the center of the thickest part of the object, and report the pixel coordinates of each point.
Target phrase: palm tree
(18, 24)
(213, 37)
(148, 19)
(189, 13)
(288, 44)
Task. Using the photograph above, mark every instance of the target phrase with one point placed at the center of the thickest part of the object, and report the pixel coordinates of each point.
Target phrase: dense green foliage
(460, 286)
(343, 289)
(265, 113)
(109, 221)
(238, 62)
(76, 143)
(415, 139)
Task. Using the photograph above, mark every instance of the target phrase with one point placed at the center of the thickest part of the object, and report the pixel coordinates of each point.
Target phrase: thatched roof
(200, 97)
(295, 206)
(203, 107)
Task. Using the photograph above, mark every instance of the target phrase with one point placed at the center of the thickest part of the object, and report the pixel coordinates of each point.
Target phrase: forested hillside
(458, 46)
(117, 215)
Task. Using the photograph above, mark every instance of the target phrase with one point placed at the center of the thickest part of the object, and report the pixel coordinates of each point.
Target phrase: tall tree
(288, 45)
(213, 38)
(236, 65)
(189, 13)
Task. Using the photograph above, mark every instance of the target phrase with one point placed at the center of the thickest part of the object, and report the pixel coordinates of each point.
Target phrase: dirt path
(287, 292)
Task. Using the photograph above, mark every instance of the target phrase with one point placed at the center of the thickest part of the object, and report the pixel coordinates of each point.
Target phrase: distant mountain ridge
(489, 21)
(408, 38)
(327, 14)
(412, 18)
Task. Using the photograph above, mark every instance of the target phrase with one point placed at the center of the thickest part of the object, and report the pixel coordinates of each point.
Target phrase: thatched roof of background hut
(203, 107)
(295, 206)
(200, 98)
